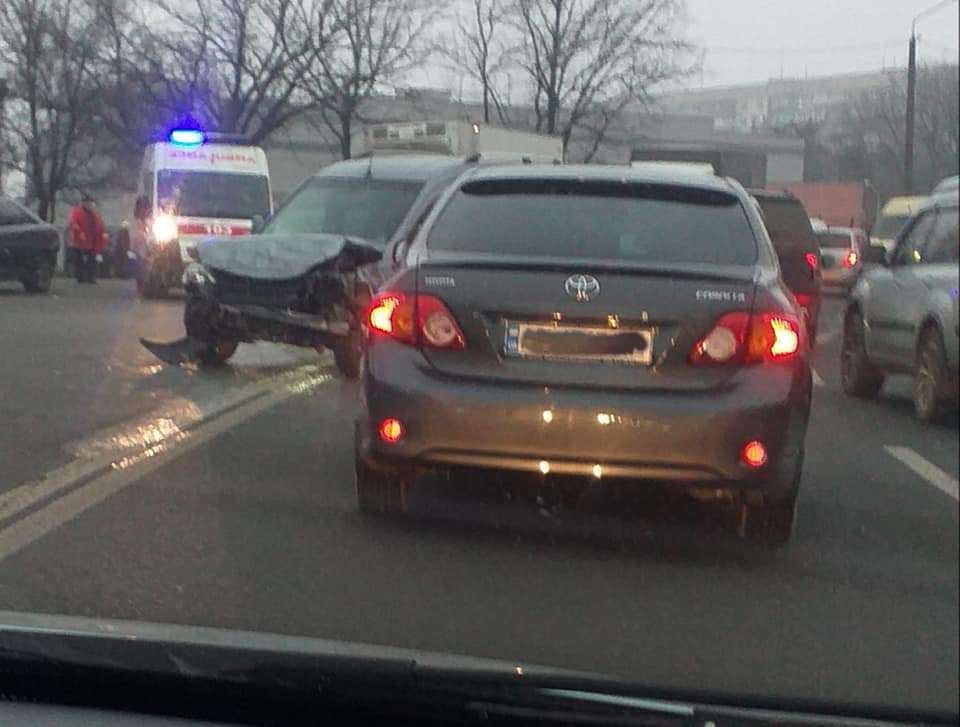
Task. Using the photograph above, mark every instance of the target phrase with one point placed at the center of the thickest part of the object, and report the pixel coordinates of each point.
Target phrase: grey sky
(743, 38)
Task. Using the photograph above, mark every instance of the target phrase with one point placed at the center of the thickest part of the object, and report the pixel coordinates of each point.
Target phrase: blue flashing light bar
(187, 137)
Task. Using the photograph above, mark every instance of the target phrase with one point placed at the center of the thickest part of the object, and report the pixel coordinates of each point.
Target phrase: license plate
(579, 343)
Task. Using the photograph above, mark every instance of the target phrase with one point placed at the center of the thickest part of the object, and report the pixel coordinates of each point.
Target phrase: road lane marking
(102, 451)
(817, 378)
(926, 469)
(128, 470)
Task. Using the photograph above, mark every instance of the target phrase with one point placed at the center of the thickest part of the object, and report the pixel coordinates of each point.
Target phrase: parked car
(902, 316)
(28, 247)
(893, 217)
(797, 249)
(591, 321)
(841, 250)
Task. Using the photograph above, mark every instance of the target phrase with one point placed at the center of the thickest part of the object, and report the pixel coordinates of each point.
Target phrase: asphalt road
(131, 490)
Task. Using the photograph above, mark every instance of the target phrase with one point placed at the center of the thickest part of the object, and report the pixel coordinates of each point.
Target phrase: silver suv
(901, 317)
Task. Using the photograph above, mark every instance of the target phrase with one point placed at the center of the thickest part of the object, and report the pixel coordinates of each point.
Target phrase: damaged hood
(280, 257)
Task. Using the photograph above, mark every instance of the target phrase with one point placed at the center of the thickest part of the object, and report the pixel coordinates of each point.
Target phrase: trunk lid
(617, 325)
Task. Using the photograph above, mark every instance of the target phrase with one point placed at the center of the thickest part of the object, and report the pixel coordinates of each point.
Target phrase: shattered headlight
(197, 276)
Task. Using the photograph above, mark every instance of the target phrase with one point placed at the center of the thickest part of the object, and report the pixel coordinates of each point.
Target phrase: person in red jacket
(88, 238)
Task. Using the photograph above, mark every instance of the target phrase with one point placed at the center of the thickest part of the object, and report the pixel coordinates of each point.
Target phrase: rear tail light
(851, 259)
(812, 260)
(413, 319)
(757, 338)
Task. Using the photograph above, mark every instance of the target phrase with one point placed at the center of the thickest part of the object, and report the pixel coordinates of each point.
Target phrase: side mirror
(141, 208)
(875, 255)
(259, 221)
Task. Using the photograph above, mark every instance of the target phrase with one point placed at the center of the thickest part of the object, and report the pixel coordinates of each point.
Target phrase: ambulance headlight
(164, 228)
(197, 276)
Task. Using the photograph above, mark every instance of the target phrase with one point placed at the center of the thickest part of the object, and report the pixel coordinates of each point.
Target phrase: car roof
(778, 194)
(603, 173)
(409, 167)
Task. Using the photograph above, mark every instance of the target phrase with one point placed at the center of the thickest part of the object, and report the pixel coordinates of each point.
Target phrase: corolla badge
(582, 287)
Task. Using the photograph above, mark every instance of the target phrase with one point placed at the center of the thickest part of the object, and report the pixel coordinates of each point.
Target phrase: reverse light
(187, 137)
(164, 228)
(391, 430)
(754, 454)
(812, 260)
(395, 314)
(851, 259)
(723, 342)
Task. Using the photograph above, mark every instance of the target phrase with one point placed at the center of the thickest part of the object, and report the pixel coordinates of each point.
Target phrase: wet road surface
(225, 498)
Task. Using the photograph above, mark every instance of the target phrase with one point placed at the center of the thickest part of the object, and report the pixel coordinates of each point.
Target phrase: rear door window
(788, 225)
(913, 245)
(14, 214)
(834, 240)
(596, 221)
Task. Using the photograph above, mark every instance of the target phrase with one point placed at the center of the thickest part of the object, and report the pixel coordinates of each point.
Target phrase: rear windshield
(787, 222)
(833, 239)
(597, 221)
(371, 209)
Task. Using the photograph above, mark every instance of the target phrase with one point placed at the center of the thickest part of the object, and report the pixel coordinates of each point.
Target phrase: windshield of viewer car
(368, 209)
(213, 194)
(601, 221)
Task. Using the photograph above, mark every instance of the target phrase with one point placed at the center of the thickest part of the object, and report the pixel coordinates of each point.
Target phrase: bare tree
(588, 60)
(48, 48)
(236, 65)
(480, 46)
(873, 130)
(369, 43)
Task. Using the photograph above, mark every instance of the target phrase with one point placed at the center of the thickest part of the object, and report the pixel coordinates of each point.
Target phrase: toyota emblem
(582, 287)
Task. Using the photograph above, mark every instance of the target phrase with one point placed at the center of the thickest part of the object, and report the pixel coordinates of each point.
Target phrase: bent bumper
(207, 319)
(693, 438)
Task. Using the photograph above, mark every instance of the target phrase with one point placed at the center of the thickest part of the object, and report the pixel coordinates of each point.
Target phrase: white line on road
(817, 378)
(927, 470)
(120, 473)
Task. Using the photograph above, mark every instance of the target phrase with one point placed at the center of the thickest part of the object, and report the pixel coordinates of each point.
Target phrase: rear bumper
(691, 438)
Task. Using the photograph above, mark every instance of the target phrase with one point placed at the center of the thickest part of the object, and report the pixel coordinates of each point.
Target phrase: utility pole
(912, 95)
(911, 113)
(3, 98)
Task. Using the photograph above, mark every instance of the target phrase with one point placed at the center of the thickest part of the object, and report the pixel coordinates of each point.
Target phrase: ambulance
(191, 186)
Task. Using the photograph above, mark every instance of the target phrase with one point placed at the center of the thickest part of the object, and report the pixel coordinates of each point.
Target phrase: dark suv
(797, 249)
(590, 321)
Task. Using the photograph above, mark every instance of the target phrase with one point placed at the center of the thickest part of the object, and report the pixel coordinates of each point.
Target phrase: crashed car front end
(305, 290)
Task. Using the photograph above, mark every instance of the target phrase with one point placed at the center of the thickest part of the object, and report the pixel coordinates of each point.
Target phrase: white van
(194, 185)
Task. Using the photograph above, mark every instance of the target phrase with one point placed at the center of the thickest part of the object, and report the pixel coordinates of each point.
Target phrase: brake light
(851, 259)
(772, 337)
(391, 430)
(760, 337)
(812, 260)
(393, 314)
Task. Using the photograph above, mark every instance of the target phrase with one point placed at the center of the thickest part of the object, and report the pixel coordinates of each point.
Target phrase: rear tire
(379, 491)
(39, 280)
(769, 523)
(929, 380)
(348, 355)
(861, 379)
(772, 521)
